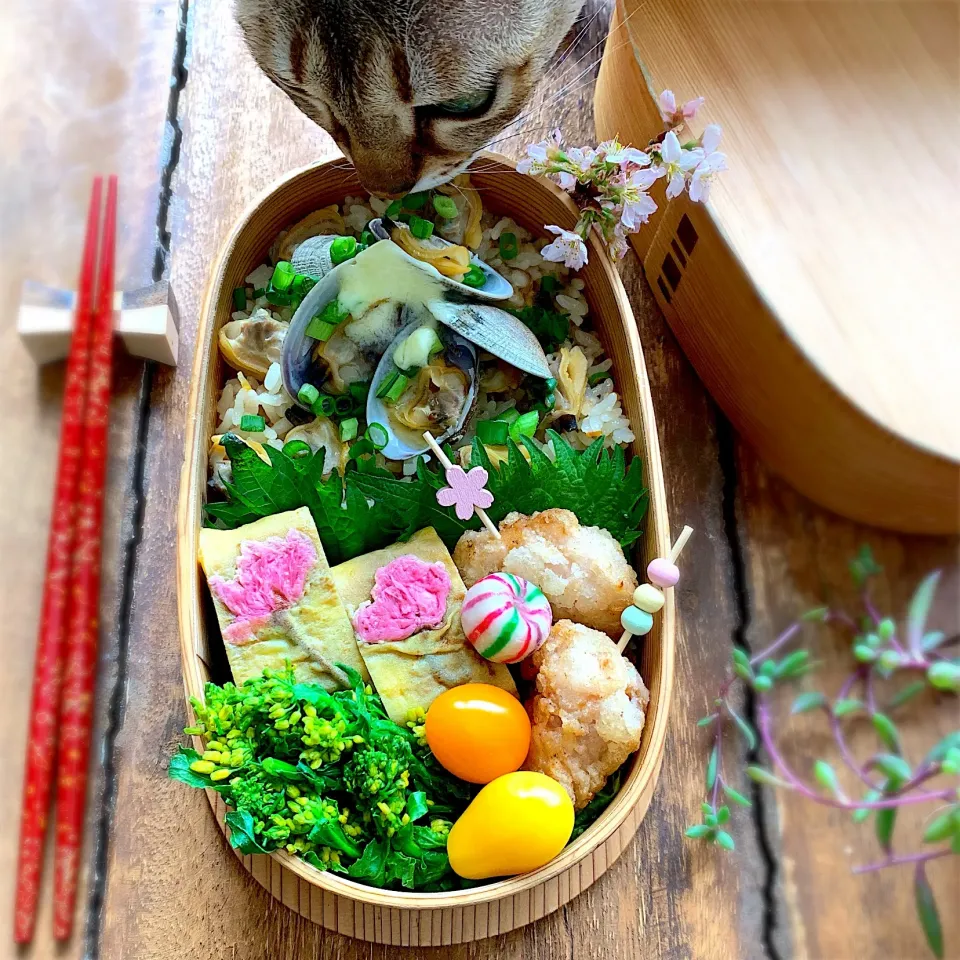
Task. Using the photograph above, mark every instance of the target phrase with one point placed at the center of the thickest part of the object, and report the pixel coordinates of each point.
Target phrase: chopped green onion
(509, 415)
(599, 377)
(283, 275)
(403, 217)
(525, 425)
(397, 387)
(386, 383)
(343, 248)
(240, 299)
(302, 285)
(550, 383)
(321, 327)
(420, 228)
(359, 390)
(324, 405)
(367, 239)
(252, 423)
(509, 245)
(377, 435)
(361, 447)
(474, 277)
(414, 201)
(393, 210)
(307, 394)
(342, 405)
(258, 293)
(297, 449)
(348, 429)
(320, 330)
(493, 432)
(445, 207)
(549, 400)
(549, 284)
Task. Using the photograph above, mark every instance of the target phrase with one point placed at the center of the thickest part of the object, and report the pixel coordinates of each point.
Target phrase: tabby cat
(409, 89)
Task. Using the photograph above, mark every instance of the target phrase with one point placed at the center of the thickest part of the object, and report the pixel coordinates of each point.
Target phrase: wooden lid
(841, 129)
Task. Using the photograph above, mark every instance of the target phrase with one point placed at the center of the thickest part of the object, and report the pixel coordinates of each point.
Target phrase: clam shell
(496, 287)
(312, 257)
(403, 443)
(496, 331)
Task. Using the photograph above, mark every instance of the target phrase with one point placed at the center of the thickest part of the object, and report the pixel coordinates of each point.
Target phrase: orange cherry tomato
(478, 732)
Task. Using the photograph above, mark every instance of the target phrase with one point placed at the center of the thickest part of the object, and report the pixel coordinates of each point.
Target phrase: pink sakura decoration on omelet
(271, 575)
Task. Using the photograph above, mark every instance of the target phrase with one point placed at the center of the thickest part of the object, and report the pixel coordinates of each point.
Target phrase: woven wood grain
(455, 917)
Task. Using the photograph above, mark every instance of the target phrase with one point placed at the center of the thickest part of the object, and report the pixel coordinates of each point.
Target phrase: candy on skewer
(637, 620)
(467, 491)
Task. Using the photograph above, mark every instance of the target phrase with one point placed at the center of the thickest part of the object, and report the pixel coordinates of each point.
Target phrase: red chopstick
(48, 673)
(79, 683)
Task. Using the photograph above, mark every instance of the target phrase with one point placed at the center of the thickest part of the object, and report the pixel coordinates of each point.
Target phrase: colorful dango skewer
(467, 491)
(505, 618)
(648, 598)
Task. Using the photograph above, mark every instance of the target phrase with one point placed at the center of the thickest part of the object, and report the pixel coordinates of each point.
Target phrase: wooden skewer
(48, 673)
(445, 461)
(80, 662)
(685, 534)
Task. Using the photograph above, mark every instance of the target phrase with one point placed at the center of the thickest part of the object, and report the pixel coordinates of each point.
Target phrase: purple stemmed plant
(914, 658)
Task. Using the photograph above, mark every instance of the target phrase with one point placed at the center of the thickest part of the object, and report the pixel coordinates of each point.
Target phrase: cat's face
(409, 89)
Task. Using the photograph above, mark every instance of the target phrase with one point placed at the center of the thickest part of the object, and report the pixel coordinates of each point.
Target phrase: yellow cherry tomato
(515, 824)
(478, 732)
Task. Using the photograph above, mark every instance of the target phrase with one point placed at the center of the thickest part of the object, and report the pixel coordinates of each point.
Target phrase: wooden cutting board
(818, 299)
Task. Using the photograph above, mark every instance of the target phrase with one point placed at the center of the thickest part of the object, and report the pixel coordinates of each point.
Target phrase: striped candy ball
(505, 617)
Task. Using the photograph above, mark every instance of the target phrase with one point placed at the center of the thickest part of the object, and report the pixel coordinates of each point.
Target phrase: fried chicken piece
(588, 711)
(582, 570)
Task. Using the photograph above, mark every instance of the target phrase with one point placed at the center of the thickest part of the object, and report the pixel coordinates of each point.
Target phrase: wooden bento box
(339, 904)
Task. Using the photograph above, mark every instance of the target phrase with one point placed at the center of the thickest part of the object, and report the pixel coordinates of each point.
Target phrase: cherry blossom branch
(610, 183)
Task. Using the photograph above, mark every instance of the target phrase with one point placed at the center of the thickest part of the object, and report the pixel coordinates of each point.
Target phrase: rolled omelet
(276, 600)
(433, 655)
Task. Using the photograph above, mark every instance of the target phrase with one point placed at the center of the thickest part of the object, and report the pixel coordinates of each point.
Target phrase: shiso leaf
(370, 508)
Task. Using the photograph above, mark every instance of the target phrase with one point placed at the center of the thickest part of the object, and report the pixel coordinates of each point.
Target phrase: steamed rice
(601, 412)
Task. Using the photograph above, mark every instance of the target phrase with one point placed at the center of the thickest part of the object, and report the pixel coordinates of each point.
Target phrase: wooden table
(167, 97)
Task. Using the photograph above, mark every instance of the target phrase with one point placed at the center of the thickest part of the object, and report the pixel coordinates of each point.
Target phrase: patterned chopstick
(48, 672)
(79, 682)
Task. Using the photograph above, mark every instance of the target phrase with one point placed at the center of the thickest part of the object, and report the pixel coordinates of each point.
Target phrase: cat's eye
(469, 105)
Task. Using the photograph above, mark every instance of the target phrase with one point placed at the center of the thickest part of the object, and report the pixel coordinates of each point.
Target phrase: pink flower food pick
(466, 491)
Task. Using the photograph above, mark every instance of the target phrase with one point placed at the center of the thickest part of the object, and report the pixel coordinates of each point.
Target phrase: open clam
(424, 253)
(254, 343)
(437, 395)
(385, 273)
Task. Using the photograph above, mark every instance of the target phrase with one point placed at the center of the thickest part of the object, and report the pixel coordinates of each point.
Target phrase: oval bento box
(339, 904)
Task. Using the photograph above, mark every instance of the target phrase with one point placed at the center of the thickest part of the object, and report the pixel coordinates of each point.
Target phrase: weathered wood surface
(761, 554)
(84, 88)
